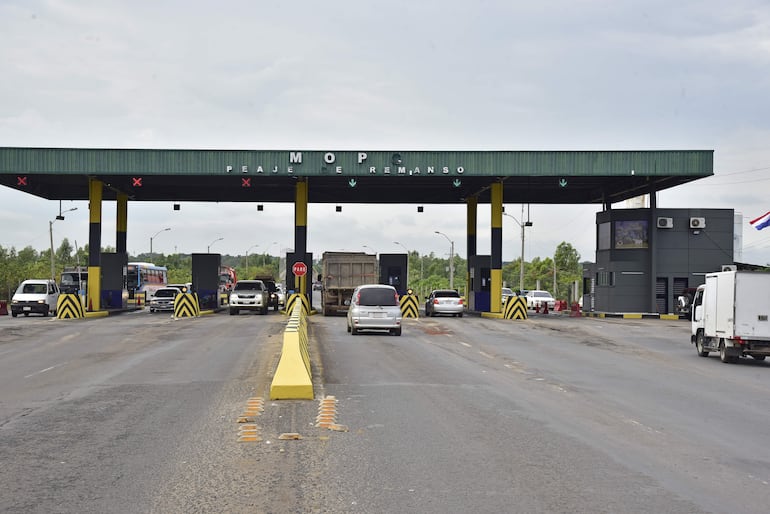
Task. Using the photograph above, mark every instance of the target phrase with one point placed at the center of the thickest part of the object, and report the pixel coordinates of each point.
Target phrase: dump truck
(730, 315)
(341, 273)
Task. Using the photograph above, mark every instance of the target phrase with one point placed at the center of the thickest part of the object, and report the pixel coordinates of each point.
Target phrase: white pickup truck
(730, 315)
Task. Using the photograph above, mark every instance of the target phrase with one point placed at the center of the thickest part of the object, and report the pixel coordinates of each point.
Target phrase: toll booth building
(647, 258)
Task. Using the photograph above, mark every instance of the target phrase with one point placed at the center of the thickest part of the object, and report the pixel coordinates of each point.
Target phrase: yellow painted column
(94, 244)
(496, 264)
(300, 233)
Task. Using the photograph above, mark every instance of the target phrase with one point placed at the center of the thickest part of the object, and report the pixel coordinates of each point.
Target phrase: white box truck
(730, 315)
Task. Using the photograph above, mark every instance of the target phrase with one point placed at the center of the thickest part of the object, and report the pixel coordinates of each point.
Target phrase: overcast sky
(395, 75)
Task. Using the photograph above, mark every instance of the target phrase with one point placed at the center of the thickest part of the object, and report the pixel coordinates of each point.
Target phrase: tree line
(426, 272)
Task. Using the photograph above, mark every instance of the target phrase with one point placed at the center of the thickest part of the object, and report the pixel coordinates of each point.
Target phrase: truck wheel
(353, 331)
(14, 314)
(724, 356)
(699, 345)
(759, 357)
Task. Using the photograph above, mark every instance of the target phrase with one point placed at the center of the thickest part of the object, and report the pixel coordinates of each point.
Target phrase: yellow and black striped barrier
(515, 308)
(69, 306)
(297, 298)
(186, 305)
(409, 307)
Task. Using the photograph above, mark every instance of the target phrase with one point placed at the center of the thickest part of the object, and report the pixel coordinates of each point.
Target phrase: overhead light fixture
(176, 206)
(419, 208)
(338, 208)
(260, 207)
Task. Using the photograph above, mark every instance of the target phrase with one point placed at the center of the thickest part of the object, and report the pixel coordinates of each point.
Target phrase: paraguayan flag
(761, 222)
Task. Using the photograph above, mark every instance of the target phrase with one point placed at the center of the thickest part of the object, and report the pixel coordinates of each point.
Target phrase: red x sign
(137, 181)
(21, 181)
(245, 182)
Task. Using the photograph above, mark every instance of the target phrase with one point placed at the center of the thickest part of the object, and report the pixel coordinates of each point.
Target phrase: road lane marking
(465, 344)
(45, 370)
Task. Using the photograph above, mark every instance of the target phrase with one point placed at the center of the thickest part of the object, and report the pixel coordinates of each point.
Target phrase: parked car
(374, 307)
(507, 292)
(537, 299)
(163, 299)
(251, 295)
(444, 301)
(35, 296)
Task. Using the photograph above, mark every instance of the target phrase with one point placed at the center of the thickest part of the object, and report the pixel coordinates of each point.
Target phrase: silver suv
(374, 307)
(249, 295)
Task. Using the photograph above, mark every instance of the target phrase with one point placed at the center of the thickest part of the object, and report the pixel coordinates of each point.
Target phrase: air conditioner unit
(697, 222)
(665, 222)
(729, 267)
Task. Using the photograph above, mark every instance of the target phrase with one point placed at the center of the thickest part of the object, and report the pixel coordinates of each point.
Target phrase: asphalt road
(138, 413)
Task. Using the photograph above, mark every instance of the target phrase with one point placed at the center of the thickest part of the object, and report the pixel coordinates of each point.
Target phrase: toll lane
(552, 414)
(95, 413)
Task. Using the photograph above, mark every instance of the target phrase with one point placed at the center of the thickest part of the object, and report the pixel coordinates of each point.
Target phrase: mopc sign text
(345, 163)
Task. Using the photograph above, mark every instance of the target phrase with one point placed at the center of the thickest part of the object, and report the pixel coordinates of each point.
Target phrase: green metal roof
(350, 176)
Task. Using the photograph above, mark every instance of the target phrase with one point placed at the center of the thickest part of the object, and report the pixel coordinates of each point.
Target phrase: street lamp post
(50, 234)
(521, 263)
(247, 254)
(451, 260)
(208, 248)
(267, 252)
(156, 235)
(369, 247)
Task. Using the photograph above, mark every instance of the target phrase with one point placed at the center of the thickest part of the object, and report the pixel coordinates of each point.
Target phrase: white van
(38, 296)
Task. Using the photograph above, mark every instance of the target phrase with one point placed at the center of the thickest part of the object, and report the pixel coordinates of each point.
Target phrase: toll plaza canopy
(429, 177)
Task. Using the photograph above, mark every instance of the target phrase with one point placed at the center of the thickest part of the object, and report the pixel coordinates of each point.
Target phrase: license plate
(378, 314)
(27, 308)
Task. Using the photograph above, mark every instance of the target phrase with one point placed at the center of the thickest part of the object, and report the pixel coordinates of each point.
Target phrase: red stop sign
(299, 269)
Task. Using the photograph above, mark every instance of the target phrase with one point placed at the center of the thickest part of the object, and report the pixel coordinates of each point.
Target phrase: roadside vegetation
(426, 272)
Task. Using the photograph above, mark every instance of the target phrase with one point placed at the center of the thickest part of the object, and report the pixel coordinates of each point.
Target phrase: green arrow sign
(457, 182)
(563, 182)
(352, 182)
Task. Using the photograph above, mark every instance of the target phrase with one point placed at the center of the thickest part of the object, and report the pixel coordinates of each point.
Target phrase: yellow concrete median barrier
(293, 377)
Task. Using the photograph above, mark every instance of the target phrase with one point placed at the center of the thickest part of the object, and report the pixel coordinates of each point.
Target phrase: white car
(537, 299)
(249, 295)
(507, 292)
(163, 299)
(35, 297)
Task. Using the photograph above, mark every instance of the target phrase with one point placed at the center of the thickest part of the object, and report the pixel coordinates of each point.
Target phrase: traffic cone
(138, 301)
(537, 308)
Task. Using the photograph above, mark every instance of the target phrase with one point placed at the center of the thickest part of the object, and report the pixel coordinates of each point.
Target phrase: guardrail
(293, 377)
